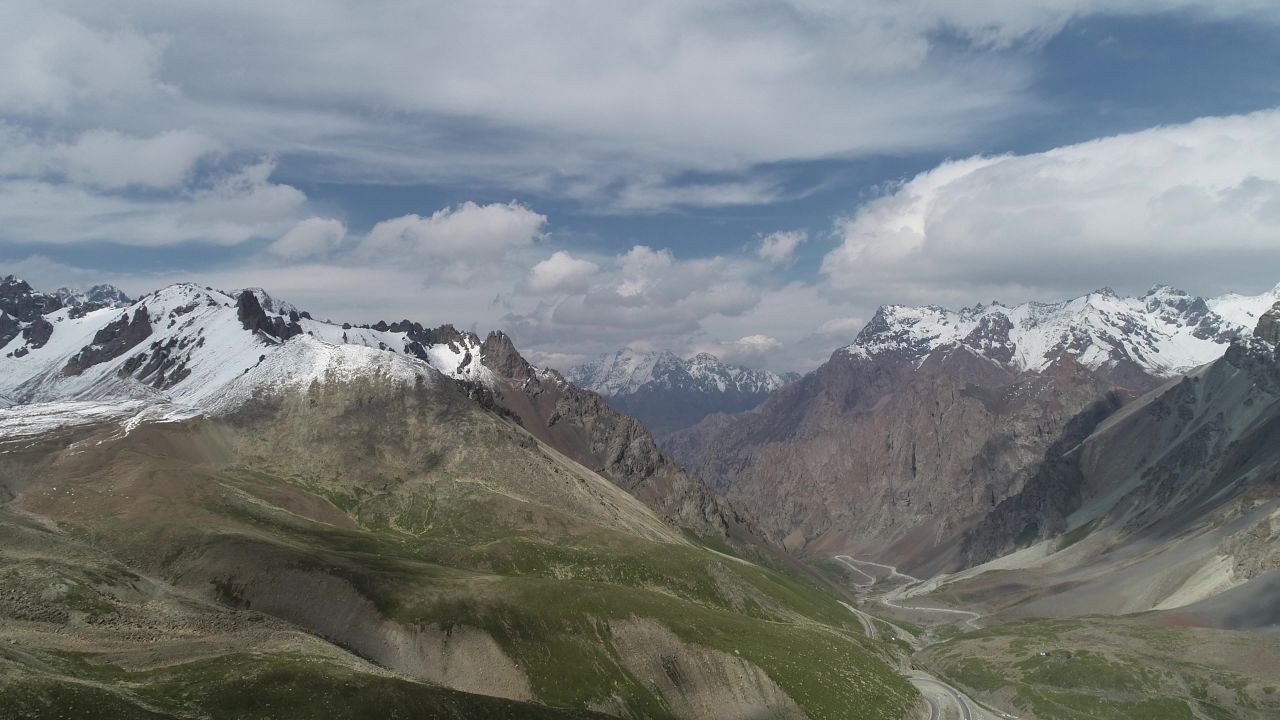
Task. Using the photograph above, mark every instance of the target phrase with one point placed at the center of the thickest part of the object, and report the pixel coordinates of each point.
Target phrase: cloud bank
(1196, 204)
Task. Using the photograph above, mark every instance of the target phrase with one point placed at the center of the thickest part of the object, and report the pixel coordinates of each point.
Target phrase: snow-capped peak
(198, 349)
(629, 371)
(271, 304)
(1163, 332)
(105, 295)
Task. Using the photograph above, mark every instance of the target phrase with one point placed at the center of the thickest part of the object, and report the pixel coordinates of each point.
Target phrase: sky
(751, 179)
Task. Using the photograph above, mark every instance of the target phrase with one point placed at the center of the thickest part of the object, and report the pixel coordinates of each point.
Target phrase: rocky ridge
(907, 439)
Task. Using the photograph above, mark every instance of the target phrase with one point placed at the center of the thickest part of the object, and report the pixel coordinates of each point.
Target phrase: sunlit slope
(384, 533)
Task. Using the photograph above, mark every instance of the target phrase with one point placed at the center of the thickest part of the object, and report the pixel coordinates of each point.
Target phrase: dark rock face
(1268, 329)
(1177, 306)
(19, 306)
(38, 332)
(256, 320)
(20, 301)
(500, 355)
(112, 341)
(991, 338)
(9, 328)
(1041, 508)
(419, 339)
(879, 455)
(584, 427)
(162, 365)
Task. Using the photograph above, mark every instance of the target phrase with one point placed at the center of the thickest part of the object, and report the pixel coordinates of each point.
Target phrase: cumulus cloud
(104, 158)
(644, 296)
(750, 350)
(111, 159)
(457, 237)
(561, 272)
(1195, 204)
(310, 237)
(778, 248)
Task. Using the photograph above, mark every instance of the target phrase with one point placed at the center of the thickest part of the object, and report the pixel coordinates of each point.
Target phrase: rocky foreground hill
(215, 505)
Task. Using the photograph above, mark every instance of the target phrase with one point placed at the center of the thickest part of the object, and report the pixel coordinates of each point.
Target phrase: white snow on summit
(198, 357)
(627, 371)
(1164, 332)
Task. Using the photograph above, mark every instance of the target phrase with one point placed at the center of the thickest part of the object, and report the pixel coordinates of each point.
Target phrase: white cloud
(842, 328)
(455, 238)
(105, 159)
(656, 193)
(561, 272)
(612, 104)
(1195, 204)
(779, 248)
(750, 350)
(229, 210)
(53, 61)
(310, 237)
(641, 297)
(113, 160)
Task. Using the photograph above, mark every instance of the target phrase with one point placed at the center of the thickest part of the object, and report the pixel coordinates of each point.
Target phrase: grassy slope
(232, 687)
(451, 518)
(1114, 668)
(548, 603)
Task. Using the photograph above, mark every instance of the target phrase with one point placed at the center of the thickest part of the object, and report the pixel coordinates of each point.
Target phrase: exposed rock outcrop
(1268, 329)
(580, 424)
(112, 341)
(38, 332)
(887, 458)
(254, 319)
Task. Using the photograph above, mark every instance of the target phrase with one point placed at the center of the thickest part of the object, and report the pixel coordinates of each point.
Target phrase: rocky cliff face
(580, 424)
(1268, 329)
(891, 460)
(913, 436)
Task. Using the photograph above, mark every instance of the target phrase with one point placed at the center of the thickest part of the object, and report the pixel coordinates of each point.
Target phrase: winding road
(960, 701)
(940, 696)
(888, 598)
(926, 684)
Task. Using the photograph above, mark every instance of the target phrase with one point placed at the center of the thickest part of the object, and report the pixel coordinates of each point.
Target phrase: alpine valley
(214, 505)
(668, 393)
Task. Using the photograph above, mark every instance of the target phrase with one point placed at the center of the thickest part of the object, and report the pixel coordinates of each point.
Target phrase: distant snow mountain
(101, 295)
(195, 348)
(667, 392)
(1164, 332)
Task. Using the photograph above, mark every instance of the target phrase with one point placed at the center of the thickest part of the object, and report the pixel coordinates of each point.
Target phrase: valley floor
(976, 665)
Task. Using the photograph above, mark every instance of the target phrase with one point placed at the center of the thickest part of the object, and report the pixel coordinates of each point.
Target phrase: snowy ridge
(305, 360)
(628, 371)
(1164, 332)
(108, 295)
(187, 350)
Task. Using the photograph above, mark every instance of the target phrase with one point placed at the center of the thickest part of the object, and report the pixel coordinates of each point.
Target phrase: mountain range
(905, 438)
(668, 393)
(208, 496)
(208, 505)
